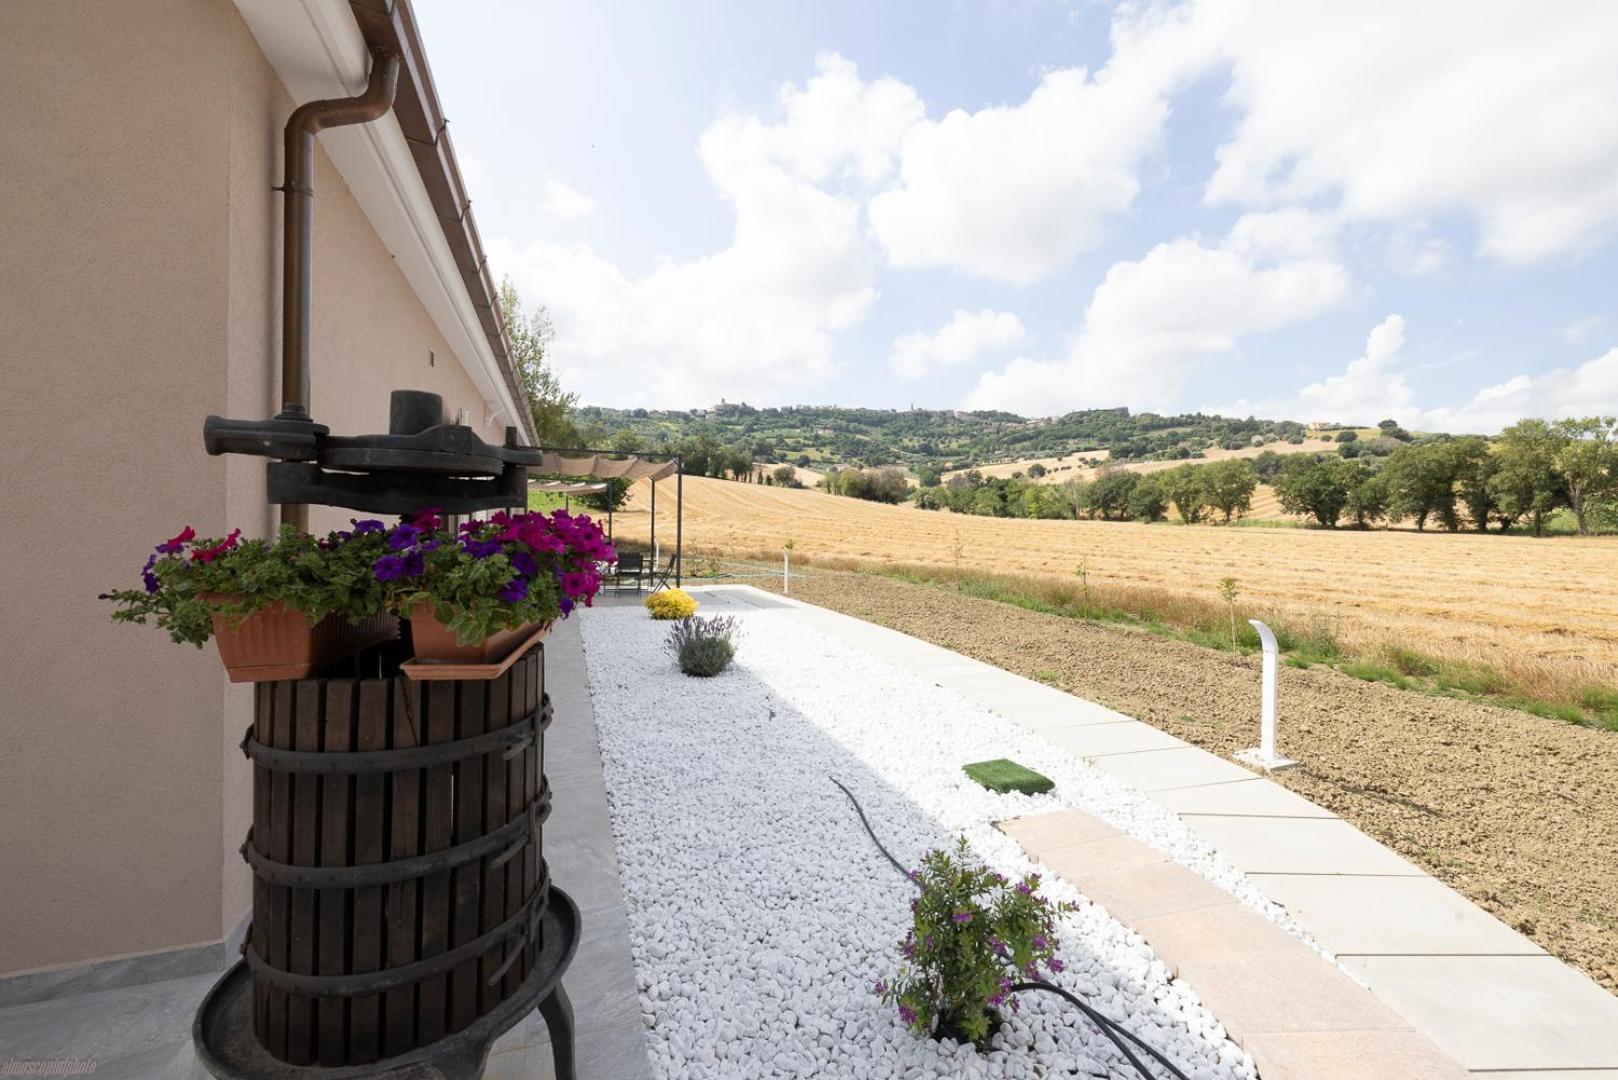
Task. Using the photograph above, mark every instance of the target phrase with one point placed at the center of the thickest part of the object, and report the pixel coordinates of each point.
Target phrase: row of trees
(886, 485)
(1221, 490)
(1535, 468)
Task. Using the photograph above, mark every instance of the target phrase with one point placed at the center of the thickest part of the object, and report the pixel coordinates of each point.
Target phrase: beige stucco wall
(139, 293)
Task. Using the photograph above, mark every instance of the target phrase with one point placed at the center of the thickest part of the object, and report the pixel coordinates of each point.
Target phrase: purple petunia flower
(516, 589)
(369, 525)
(403, 536)
(524, 563)
(1039, 942)
(480, 549)
(152, 584)
(1055, 964)
(388, 568)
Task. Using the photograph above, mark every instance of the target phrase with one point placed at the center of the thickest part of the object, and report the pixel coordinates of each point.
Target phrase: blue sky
(1318, 211)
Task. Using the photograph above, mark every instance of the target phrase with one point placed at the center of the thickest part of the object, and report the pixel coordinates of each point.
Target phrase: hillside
(814, 436)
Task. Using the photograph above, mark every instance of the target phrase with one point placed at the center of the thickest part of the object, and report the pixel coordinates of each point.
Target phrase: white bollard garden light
(786, 572)
(1264, 754)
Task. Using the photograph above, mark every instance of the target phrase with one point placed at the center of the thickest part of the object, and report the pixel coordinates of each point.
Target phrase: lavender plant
(974, 934)
(703, 646)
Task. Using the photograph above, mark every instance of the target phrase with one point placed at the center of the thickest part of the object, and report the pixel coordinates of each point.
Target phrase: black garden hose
(1110, 1028)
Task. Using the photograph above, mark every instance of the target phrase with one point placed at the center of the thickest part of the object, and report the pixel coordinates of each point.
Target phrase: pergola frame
(679, 493)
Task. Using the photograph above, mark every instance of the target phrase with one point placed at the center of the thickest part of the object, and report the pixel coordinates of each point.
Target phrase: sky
(1296, 209)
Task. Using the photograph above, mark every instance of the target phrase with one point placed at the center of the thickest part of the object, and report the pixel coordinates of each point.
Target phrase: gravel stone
(761, 914)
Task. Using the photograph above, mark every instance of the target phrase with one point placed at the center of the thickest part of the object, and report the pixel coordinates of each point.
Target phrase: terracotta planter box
(435, 643)
(275, 643)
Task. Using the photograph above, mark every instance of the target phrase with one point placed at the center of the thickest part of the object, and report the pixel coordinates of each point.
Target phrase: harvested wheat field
(1540, 610)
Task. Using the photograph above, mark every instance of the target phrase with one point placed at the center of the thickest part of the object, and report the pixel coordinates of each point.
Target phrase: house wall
(139, 292)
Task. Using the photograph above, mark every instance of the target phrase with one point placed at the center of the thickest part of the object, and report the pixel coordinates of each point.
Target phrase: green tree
(1525, 482)
(1317, 487)
(1108, 495)
(1367, 495)
(1475, 465)
(1148, 502)
(1185, 489)
(530, 333)
(1586, 461)
(1421, 484)
(1230, 485)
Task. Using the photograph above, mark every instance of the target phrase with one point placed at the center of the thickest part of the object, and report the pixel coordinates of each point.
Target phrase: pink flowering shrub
(494, 573)
(491, 574)
(974, 934)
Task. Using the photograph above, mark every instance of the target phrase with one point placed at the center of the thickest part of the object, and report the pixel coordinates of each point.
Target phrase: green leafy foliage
(189, 579)
(973, 934)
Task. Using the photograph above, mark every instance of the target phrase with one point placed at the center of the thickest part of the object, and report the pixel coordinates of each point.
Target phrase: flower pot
(435, 643)
(276, 642)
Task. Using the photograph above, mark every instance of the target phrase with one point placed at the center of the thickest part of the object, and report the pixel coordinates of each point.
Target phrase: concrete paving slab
(1076, 862)
(1256, 996)
(1151, 889)
(1162, 770)
(1296, 846)
(1104, 740)
(1548, 1074)
(1219, 934)
(1352, 1055)
(1500, 1012)
(1255, 797)
(1042, 833)
(1392, 916)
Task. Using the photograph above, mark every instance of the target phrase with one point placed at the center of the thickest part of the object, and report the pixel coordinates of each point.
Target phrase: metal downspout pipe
(298, 225)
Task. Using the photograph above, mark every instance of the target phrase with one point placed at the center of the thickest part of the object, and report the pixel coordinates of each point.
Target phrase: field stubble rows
(1539, 610)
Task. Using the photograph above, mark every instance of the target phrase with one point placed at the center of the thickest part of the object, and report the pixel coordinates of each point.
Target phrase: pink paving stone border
(1299, 1015)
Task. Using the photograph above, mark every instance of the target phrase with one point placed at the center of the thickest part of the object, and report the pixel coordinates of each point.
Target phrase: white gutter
(317, 49)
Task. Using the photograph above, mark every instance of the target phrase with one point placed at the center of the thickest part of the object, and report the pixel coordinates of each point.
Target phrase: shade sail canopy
(563, 487)
(602, 467)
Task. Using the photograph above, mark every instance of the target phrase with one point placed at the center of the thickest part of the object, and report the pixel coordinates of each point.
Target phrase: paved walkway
(1488, 997)
(144, 1032)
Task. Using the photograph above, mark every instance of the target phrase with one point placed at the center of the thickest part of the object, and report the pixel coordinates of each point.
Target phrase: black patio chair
(662, 579)
(631, 567)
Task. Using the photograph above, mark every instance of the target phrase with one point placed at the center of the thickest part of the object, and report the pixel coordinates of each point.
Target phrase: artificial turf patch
(1002, 775)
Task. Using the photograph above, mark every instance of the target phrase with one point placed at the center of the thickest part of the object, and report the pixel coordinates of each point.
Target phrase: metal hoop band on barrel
(517, 737)
(521, 926)
(504, 843)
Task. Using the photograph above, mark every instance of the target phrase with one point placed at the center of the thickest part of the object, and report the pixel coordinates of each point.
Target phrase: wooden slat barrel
(399, 875)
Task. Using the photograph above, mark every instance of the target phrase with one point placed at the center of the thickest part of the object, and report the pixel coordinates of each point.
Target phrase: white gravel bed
(760, 913)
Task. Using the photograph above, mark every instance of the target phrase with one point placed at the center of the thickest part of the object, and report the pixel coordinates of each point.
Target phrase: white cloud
(1579, 330)
(556, 202)
(1367, 390)
(1588, 390)
(968, 337)
(1151, 321)
(1499, 110)
(1292, 232)
(759, 315)
(1013, 193)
